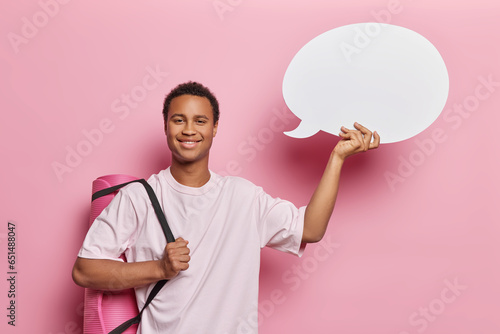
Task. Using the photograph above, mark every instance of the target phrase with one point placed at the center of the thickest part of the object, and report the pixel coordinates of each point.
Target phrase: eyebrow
(184, 116)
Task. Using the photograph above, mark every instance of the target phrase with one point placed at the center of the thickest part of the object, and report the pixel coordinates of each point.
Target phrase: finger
(172, 252)
(179, 251)
(344, 129)
(365, 131)
(354, 138)
(177, 262)
(343, 135)
(347, 134)
(183, 266)
(361, 141)
(179, 266)
(361, 128)
(356, 135)
(357, 139)
(181, 242)
(174, 246)
(181, 258)
(376, 140)
(367, 135)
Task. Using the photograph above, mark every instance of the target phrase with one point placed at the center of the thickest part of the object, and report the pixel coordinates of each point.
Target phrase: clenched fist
(175, 258)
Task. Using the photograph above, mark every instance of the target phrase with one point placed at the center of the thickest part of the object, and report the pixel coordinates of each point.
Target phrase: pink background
(395, 247)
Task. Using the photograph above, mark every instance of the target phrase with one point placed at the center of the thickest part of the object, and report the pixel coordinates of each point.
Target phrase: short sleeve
(280, 223)
(112, 231)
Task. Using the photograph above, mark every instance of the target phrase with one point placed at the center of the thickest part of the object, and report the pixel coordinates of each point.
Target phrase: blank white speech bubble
(385, 77)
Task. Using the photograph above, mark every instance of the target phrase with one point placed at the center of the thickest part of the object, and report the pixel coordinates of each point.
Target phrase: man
(221, 223)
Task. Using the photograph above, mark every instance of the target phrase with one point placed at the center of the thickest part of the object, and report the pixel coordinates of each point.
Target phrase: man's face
(190, 128)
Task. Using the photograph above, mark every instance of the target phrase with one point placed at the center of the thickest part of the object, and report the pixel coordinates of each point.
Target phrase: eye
(201, 121)
(177, 120)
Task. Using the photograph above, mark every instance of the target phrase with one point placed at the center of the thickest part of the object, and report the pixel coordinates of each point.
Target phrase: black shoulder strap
(135, 320)
(154, 200)
(166, 230)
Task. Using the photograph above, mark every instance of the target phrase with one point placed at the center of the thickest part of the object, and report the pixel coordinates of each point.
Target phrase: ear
(215, 127)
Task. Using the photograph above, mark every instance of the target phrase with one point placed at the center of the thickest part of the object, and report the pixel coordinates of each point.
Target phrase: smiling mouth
(189, 143)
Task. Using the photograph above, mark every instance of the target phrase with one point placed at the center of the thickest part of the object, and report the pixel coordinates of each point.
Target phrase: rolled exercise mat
(105, 310)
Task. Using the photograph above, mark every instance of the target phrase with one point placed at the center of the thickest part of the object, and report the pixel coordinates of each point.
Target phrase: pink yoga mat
(105, 310)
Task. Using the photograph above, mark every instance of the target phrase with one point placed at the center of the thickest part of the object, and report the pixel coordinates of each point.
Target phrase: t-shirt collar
(167, 174)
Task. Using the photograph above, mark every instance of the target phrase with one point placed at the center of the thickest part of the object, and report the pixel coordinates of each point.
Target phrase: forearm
(115, 275)
(320, 207)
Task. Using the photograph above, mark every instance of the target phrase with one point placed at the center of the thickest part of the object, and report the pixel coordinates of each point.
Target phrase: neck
(191, 175)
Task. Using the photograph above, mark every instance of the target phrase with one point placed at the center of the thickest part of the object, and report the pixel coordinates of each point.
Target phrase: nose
(189, 129)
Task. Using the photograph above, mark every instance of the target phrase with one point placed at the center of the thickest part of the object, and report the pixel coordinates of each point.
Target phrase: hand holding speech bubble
(388, 78)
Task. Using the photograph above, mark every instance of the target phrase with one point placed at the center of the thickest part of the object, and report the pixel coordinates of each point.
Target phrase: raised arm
(320, 207)
(116, 275)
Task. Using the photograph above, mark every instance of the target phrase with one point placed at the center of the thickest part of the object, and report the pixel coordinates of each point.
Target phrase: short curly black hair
(191, 88)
